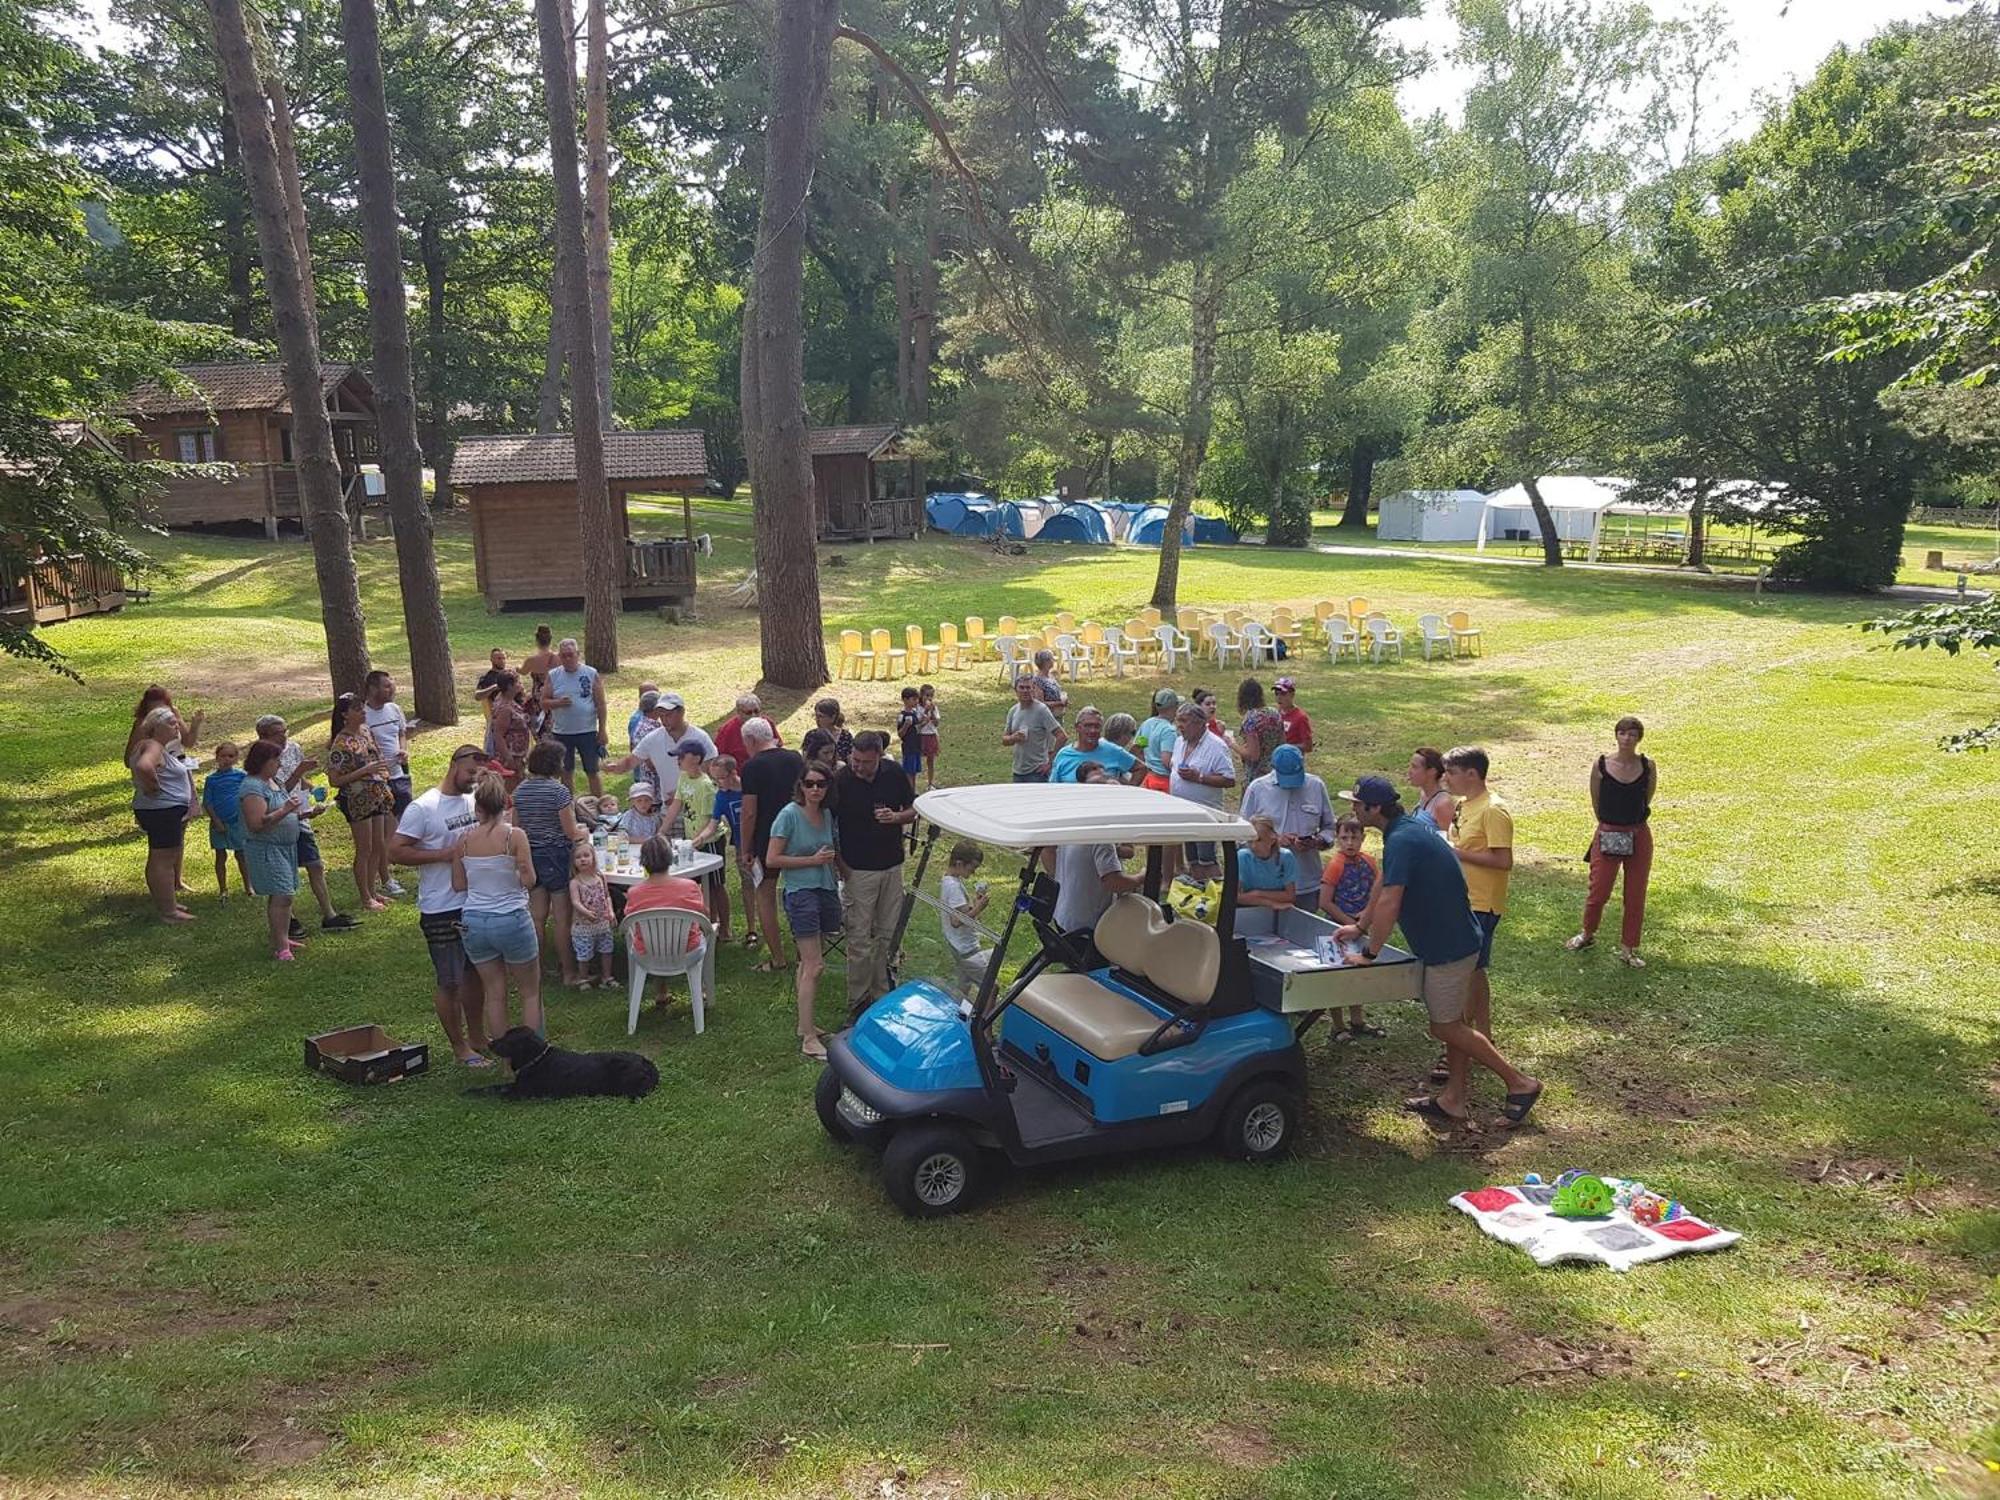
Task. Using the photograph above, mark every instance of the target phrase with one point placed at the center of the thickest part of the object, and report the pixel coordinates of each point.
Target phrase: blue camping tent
(961, 514)
(1211, 529)
(1075, 523)
(1149, 527)
(1022, 519)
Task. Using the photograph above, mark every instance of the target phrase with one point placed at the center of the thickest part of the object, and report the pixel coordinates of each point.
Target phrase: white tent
(1431, 516)
(1577, 504)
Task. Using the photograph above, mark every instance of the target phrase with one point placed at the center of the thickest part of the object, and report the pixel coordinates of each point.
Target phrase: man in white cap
(659, 748)
(1296, 802)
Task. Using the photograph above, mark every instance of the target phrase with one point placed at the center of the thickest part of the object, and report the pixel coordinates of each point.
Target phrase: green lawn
(219, 1274)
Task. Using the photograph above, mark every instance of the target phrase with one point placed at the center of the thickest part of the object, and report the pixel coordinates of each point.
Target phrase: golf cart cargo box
(365, 1054)
(1287, 976)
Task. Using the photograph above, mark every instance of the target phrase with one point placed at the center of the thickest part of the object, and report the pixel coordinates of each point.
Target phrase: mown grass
(222, 1274)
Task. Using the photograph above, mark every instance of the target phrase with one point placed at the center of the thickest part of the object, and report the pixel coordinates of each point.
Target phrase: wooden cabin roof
(233, 385)
(662, 455)
(868, 442)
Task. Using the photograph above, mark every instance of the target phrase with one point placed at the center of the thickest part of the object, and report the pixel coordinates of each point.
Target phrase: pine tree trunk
(432, 690)
(597, 527)
(548, 398)
(1360, 483)
(597, 196)
(312, 433)
(238, 245)
(1196, 425)
(773, 375)
(437, 436)
(286, 140)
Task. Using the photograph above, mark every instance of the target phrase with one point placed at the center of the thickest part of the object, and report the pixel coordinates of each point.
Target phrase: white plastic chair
(1259, 644)
(1174, 645)
(1432, 631)
(1382, 636)
(1072, 656)
(1341, 639)
(1225, 643)
(664, 932)
(1121, 648)
(1012, 662)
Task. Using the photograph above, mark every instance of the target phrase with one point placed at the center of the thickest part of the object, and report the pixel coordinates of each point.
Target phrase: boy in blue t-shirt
(728, 834)
(221, 799)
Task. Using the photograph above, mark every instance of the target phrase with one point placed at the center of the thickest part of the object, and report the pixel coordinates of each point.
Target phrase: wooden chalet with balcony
(238, 413)
(864, 488)
(526, 541)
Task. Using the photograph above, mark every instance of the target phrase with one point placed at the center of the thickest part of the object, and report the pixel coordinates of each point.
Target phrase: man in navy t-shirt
(1424, 889)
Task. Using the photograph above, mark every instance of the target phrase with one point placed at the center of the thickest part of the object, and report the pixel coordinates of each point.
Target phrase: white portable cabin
(1431, 516)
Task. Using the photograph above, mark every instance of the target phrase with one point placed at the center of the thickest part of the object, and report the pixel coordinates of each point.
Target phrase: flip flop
(475, 1061)
(1515, 1110)
(1440, 1072)
(806, 1050)
(1369, 1029)
(1630, 959)
(770, 968)
(1431, 1112)
(1578, 943)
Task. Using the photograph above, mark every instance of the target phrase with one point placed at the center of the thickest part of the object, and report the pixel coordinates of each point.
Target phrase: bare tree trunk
(395, 387)
(312, 433)
(597, 197)
(773, 385)
(548, 399)
(603, 547)
(288, 157)
(905, 290)
(238, 247)
(1697, 553)
(1526, 446)
(437, 438)
(1196, 425)
(1360, 483)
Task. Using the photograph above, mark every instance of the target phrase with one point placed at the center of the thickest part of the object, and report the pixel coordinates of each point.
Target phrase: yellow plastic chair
(923, 657)
(1138, 633)
(1007, 626)
(950, 647)
(1151, 615)
(890, 660)
(1285, 628)
(1091, 637)
(977, 641)
(1065, 623)
(1465, 639)
(853, 655)
(1357, 611)
(1323, 611)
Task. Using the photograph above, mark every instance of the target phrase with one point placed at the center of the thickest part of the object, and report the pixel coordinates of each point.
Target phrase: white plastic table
(627, 873)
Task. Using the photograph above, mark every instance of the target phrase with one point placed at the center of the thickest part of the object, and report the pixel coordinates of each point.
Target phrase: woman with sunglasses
(360, 776)
(802, 852)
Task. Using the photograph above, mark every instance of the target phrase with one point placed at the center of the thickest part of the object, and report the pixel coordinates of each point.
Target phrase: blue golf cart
(1149, 1031)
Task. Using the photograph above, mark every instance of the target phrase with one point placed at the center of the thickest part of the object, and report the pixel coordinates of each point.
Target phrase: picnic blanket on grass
(1520, 1215)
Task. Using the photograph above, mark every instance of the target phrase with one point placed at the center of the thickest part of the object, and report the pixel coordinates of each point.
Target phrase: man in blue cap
(1424, 889)
(1296, 802)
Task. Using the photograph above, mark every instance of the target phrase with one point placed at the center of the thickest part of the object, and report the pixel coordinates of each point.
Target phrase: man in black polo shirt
(872, 804)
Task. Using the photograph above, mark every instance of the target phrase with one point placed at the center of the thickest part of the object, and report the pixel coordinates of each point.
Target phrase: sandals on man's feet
(1580, 942)
(1441, 1071)
(1427, 1109)
(1515, 1111)
(1630, 958)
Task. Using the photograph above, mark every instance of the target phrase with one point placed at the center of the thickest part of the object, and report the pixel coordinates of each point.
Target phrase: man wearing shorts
(426, 833)
(1424, 889)
(1482, 833)
(574, 697)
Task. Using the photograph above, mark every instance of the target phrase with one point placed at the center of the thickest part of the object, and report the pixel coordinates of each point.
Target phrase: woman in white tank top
(491, 865)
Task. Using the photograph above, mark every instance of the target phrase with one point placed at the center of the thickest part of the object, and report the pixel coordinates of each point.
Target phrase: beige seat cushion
(1186, 961)
(1103, 1022)
(1125, 933)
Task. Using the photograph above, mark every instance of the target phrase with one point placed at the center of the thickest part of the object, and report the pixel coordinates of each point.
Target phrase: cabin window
(202, 445)
(284, 445)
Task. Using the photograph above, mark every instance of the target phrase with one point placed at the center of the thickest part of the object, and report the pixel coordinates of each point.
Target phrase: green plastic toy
(1583, 1198)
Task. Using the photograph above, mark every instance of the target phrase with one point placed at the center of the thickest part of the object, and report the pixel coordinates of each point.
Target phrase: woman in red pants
(1621, 790)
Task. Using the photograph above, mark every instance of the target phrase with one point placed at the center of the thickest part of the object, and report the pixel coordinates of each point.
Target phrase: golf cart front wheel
(826, 1104)
(931, 1170)
(1260, 1122)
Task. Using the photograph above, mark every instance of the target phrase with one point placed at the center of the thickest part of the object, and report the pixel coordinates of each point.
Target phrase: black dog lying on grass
(545, 1072)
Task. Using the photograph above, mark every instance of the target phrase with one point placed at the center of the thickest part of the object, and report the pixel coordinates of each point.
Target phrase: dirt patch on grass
(283, 1444)
(1906, 1184)
(85, 1320)
(882, 1481)
(1240, 1445)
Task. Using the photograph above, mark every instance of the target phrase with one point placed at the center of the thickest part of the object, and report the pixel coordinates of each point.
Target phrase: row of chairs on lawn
(1083, 648)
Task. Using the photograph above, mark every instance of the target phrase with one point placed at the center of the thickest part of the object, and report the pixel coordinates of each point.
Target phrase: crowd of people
(504, 861)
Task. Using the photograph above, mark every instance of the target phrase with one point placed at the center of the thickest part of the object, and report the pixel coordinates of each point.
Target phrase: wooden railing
(61, 589)
(896, 517)
(663, 567)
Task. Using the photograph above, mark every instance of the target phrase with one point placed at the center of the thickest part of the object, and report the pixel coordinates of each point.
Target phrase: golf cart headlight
(857, 1110)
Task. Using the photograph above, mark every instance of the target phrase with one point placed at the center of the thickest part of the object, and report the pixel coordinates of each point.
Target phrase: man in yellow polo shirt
(1483, 835)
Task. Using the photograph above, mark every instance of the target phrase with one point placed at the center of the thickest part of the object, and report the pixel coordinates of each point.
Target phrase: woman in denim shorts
(803, 854)
(492, 866)
(546, 812)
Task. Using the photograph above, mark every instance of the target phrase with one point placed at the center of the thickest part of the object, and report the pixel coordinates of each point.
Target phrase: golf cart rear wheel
(931, 1170)
(1260, 1122)
(826, 1104)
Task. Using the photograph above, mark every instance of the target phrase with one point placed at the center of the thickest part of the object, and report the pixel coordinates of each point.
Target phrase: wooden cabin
(238, 413)
(526, 542)
(864, 487)
(50, 589)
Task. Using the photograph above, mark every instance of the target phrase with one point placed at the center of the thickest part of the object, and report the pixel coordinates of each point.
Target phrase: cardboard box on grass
(366, 1054)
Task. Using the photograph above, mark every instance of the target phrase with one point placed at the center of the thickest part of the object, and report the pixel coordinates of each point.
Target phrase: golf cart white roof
(1036, 815)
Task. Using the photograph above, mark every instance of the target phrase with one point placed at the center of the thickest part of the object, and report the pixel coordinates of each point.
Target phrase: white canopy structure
(1577, 504)
(1431, 516)
(1032, 815)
